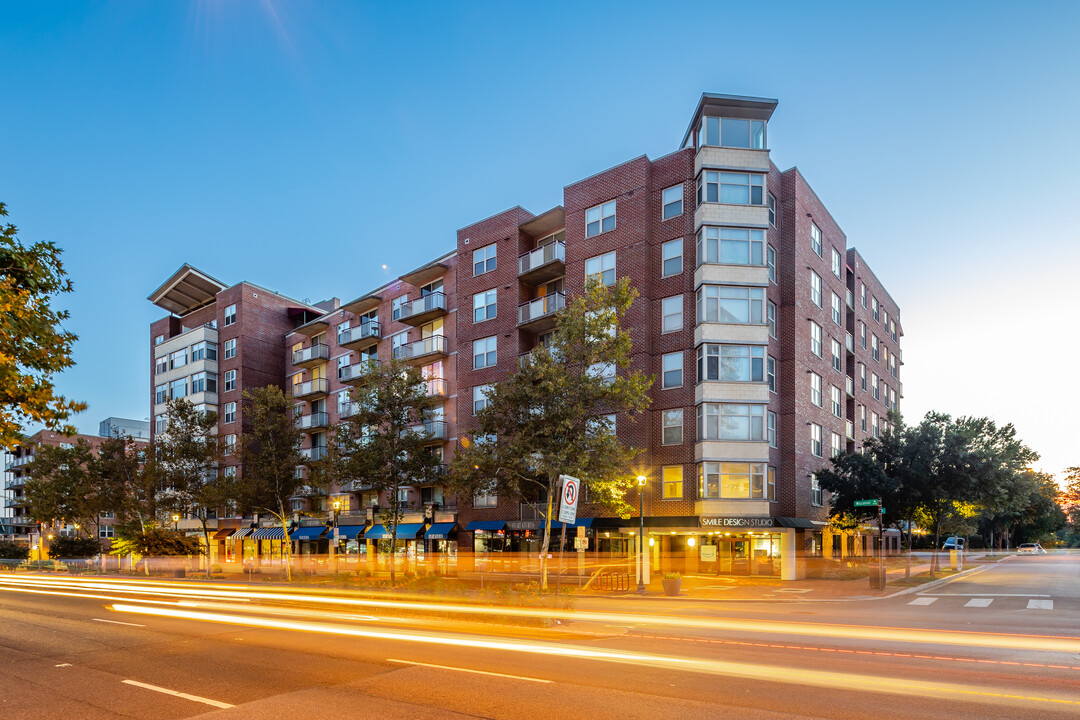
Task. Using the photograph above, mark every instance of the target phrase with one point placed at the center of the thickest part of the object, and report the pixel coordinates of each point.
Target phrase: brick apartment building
(772, 344)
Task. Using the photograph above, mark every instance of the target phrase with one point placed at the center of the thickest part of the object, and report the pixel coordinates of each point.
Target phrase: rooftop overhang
(730, 106)
(364, 304)
(188, 289)
(425, 274)
(313, 323)
(545, 224)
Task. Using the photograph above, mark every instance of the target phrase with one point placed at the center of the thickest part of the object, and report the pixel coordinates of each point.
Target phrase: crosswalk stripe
(1040, 605)
(979, 602)
(923, 601)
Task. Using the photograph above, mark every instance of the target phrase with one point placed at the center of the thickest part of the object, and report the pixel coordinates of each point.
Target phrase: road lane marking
(1040, 605)
(1027, 595)
(923, 601)
(63, 665)
(175, 693)
(117, 622)
(467, 670)
(979, 602)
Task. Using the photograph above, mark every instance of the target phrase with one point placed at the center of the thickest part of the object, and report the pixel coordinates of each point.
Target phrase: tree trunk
(547, 541)
(286, 545)
(395, 507)
(937, 542)
(907, 568)
(206, 537)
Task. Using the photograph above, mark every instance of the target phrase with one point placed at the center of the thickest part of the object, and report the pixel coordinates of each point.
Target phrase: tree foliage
(134, 486)
(550, 418)
(155, 542)
(185, 464)
(74, 547)
(33, 345)
(64, 485)
(13, 550)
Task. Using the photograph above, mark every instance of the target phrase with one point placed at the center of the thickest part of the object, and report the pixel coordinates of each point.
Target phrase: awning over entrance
(347, 532)
(223, 533)
(439, 531)
(242, 533)
(405, 531)
(580, 522)
(486, 525)
(273, 533)
(307, 533)
(795, 522)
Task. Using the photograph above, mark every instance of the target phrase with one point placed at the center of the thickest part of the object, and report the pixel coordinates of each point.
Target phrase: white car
(1030, 549)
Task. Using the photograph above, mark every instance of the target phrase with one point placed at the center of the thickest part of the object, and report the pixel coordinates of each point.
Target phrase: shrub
(13, 551)
(672, 576)
(72, 547)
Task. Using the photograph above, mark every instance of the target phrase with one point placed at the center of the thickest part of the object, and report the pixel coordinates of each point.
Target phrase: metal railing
(552, 252)
(363, 331)
(313, 454)
(541, 307)
(436, 344)
(434, 301)
(308, 354)
(311, 387)
(435, 387)
(314, 420)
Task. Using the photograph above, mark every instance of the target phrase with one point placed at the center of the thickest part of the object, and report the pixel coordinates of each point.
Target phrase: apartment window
(815, 491)
(671, 310)
(230, 380)
(672, 479)
(815, 239)
(399, 340)
(671, 257)
(874, 308)
(161, 394)
(732, 480)
(836, 313)
(815, 389)
(230, 412)
(862, 376)
(836, 262)
(731, 363)
(673, 426)
(603, 371)
(105, 531)
(161, 364)
(600, 219)
(815, 338)
(772, 430)
(837, 361)
(834, 393)
(178, 388)
(601, 267)
(730, 246)
(732, 132)
(396, 306)
(230, 445)
(874, 424)
(874, 347)
(344, 403)
(159, 339)
(229, 472)
(734, 188)
(815, 439)
(483, 259)
(723, 304)
(772, 209)
(672, 369)
(770, 253)
(815, 288)
(773, 386)
(484, 306)
(485, 351)
(729, 421)
(862, 294)
(204, 351)
(672, 202)
(862, 417)
(484, 500)
(874, 388)
(230, 348)
(772, 320)
(178, 359)
(204, 382)
(230, 315)
(480, 398)
(862, 335)
(161, 422)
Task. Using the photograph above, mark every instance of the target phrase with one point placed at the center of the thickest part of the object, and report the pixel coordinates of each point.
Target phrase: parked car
(1030, 549)
(953, 543)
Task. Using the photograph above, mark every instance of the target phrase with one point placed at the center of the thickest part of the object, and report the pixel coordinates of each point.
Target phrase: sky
(302, 146)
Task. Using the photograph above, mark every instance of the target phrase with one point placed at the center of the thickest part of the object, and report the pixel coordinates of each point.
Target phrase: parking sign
(568, 499)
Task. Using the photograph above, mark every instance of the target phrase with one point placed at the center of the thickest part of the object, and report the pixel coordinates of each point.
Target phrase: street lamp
(333, 543)
(175, 522)
(641, 535)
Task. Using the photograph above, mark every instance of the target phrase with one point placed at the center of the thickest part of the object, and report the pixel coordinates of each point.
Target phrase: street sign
(882, 511)
(581, 543)
(867, 503)
(568, 499)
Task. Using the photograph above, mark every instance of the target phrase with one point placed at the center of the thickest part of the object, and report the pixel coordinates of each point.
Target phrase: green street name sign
(867, 503)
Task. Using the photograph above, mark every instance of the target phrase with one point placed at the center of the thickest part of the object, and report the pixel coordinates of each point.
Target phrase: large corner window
(740, 481)
(730, 363)
(730, 421)
(732, 133)
(731, 188)
(738, 305)
(730, 246)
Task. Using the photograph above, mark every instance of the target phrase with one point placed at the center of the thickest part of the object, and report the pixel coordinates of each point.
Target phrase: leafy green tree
(119, 465)
(33, 345)
(1070, 503)
(550, 417)
(155, 542)
(13, 550)
(1042, 515)
(63, 487)
(386, 443)
(74, 547)
(269, 457)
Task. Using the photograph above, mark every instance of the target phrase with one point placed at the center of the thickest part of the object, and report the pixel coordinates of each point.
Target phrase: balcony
(434, 429)
(347, 410)
(850, 386)
(849, 343)
(314, 421)
(850, 429)
(311, 356)
(436, 387)
(16, 482)
(423, 310)
(351, 374)
(311, 388)
(359, 337)
(542, 264)
(422, 350)
(539, 315)
(20, 461)
(313, 454)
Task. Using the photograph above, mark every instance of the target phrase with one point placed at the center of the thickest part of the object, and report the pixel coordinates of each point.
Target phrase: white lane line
(1040, 605)
(979, 602)
(117, 622)
(923, 601)
(1027, 595)
(63, 665)
(174, 693)
(466, 670)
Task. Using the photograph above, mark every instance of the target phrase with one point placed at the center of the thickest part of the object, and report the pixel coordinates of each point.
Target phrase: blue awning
(439, 531)
(272, 533)
(346, 532)
(405, 531)
(580, 522)
(308, 533)
(486, 525)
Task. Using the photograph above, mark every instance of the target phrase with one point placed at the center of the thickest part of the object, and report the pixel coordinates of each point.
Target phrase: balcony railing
(313, 454)
(436, 387)
(365, 333)
(849, 343)
(312, 421)
(850, 430)
(539, 314)
(351, 373)
(543, 263)
(20, 461)
(311, 355)
(434, 345)
(423, 309)
(346, 411)
(320, 386)
(850, 384)
(434, 429)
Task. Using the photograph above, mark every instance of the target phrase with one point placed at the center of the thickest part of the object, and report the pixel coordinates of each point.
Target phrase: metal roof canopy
(545, 223)
(425, 274)
(362, 304)
(731, 106)
(188, 289)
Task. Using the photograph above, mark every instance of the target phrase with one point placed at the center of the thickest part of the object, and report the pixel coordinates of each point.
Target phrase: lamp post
(641, 534)
(333, 541)
(175, 522)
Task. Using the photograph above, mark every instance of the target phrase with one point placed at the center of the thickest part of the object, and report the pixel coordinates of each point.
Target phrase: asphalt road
(128, 648)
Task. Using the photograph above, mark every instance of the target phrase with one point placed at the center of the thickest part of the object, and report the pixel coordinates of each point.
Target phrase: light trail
(749, 671)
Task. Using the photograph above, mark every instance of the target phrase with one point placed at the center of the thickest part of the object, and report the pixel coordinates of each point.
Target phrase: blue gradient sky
(302, 147)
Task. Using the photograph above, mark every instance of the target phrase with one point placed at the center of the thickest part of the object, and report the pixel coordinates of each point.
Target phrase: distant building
(136, 429)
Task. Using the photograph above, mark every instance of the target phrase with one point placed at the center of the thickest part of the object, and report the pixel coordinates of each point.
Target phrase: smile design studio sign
(738, 522)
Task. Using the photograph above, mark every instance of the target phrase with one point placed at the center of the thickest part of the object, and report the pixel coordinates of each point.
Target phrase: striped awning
(270, 533)
(242, 533)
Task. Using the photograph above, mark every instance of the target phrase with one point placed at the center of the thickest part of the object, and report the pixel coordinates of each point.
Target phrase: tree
(155, 542)
(185, 462)
(269, 457)
(33, 345)
(550, 418)
(74, 547)
(1070, 503)
(386, 443)
(1042, 515)
(63, 487)
(13, 551)
(119, 464)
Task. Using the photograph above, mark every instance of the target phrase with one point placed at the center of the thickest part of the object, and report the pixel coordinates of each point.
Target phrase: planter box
(672, 586)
